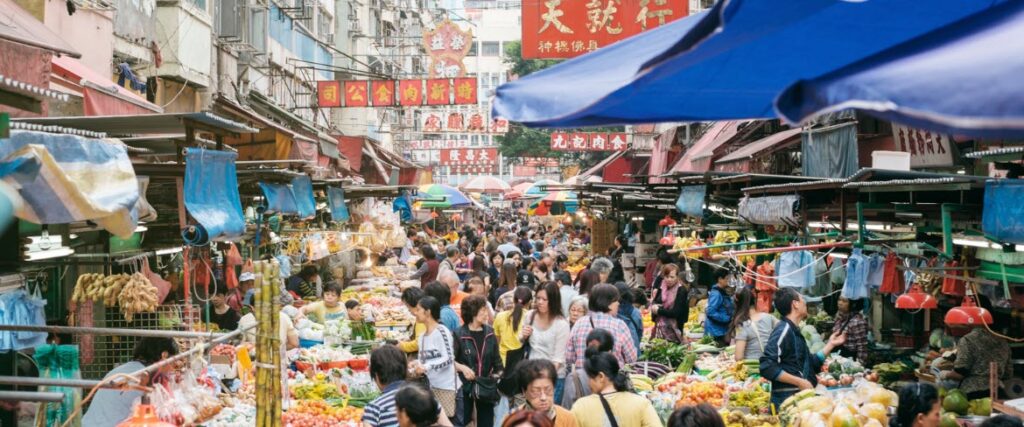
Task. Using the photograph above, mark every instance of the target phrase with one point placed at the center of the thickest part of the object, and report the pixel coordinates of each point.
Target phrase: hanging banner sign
(926, 149)
(469, 156)
(389, 93)
(473, 170)
(588, 141)
(555, 29)
(474, 121)
(447, 45)
(439, 144)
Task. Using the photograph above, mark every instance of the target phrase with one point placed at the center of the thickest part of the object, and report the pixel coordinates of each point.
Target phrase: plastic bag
(163, 287)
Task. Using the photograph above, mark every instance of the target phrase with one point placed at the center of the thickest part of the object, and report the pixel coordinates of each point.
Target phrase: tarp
(771, 210)
(978, 93)
(336, 202)
(728, 63)
(691, 200)
(66, 178)
(747, 151)
(1003, 214)
(211, 195)
(302, 188)
(280, 199)
(830, 152)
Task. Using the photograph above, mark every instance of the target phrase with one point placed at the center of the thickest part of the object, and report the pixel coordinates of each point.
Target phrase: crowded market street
(505, 213)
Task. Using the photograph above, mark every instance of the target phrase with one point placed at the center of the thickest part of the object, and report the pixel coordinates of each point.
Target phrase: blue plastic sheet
(691, 200)
(1003, 215)
(403, 205)
(336, 201)
(211, 195)
(280, 199)
(302, 188)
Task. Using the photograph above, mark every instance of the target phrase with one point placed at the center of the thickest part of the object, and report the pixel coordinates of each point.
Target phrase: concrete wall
(187, 50)
(90, 32)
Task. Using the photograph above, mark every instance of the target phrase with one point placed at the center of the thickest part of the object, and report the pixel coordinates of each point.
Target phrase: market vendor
(362, 325)
(787, 361)
(850, 319)
(303, 285)
(976, 351)
(110, 407)
(225, 317)
(427, 268)
(241, 296)
(329, 308)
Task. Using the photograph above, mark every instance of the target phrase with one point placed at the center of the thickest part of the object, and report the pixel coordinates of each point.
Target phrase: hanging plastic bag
(163, 287)
(232, 259)
(954, 287)
(247, 267)
(59, 362)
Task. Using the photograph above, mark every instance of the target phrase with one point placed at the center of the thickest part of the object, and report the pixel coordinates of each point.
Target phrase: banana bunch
(97, 287)
(137, 296)
(642, 382)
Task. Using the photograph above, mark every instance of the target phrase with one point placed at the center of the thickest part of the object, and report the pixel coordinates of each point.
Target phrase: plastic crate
(901, 340)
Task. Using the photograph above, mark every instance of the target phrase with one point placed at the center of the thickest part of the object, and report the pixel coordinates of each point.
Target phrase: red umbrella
(485, 184)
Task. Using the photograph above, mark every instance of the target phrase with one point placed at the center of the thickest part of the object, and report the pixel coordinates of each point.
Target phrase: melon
(956, 401)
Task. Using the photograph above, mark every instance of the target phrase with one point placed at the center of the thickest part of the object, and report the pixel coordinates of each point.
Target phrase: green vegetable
(664, 352)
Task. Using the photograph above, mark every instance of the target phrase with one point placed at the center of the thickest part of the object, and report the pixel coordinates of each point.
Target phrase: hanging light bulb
(689, 276)
(915, 299)
(968, 313)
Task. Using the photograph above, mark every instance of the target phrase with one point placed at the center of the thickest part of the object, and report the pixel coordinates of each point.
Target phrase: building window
(490, 48)
(472, 49)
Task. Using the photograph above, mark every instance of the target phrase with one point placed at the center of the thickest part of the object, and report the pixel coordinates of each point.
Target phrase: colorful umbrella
(518, 190)
(539, 188)
(433, 193)
(555, 203)
(486, 184)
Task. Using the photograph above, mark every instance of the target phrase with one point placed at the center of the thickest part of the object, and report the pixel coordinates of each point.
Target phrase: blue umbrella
(730, 64)
(962, 79)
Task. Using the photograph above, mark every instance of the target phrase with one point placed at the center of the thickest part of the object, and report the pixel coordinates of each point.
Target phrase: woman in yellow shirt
(613, 403)
(511, 327)
(411, 297)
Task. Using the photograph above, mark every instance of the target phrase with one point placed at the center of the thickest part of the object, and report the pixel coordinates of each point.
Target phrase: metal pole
(190, 352)
(31, 396)
(52, 382)
(111, 331)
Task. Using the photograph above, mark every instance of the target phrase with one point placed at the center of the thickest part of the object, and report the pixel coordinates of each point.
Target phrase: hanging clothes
(24, 309)
(856, 284)
(875, 270)
(795, 269)
(892, 280)
(765, 286)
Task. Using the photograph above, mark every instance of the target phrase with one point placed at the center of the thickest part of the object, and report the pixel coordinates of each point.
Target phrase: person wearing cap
(237, 298)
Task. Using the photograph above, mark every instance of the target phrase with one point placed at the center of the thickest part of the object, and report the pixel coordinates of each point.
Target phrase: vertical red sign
(437, 92)
(410, 92)
(383, 93)
(465, 91)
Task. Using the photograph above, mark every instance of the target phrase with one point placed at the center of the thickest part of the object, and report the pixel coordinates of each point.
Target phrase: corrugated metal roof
(831, 182)
(749, 150)
(966, 179)
(143, 124)
(995, 152)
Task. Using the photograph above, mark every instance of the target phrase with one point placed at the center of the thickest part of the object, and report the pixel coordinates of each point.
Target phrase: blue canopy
(729, 63)
(962, 79)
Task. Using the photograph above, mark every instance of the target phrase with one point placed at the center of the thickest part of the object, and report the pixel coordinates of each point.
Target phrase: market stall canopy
(21, 27)
(100, 95)
(440, 196)
(728, 63)
(759, 147)
(977, 93)
(486, 184)
(66, 178)
(580, 179)
(698, 157)
(147, 124)
(540, 188)
(518, 190)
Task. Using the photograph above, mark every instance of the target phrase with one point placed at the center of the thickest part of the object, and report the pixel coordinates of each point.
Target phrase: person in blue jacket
(720, 309)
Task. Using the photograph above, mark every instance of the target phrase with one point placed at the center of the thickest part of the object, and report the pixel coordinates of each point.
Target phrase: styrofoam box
(892, 160)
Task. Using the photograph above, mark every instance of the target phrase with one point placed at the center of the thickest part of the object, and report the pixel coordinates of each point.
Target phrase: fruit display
(641, 383)
(317, 413)
(712, 393)
(741, 419)
(868, 404)
(239, 415)
(756, 399)
(889, 372)
(137, 295)
(956, 402)
(738, 371)
(714, 362)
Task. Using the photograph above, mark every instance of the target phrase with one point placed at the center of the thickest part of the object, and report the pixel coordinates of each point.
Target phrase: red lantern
(915, 299)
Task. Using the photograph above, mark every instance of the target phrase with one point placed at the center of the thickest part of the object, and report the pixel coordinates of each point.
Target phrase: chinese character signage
(447, 45)
(439, 144)
(588, 141)
(926, 149)
(568, 28)
(469, 156)
(474, 121)
(328, 93)
(388, 93)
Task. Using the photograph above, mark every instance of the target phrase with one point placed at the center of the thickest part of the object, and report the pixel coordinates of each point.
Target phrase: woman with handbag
(436, 359)
(550, 332)
(478, 362)
(613, 402)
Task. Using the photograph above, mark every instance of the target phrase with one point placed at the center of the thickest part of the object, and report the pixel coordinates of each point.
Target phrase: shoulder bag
(608, 411)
